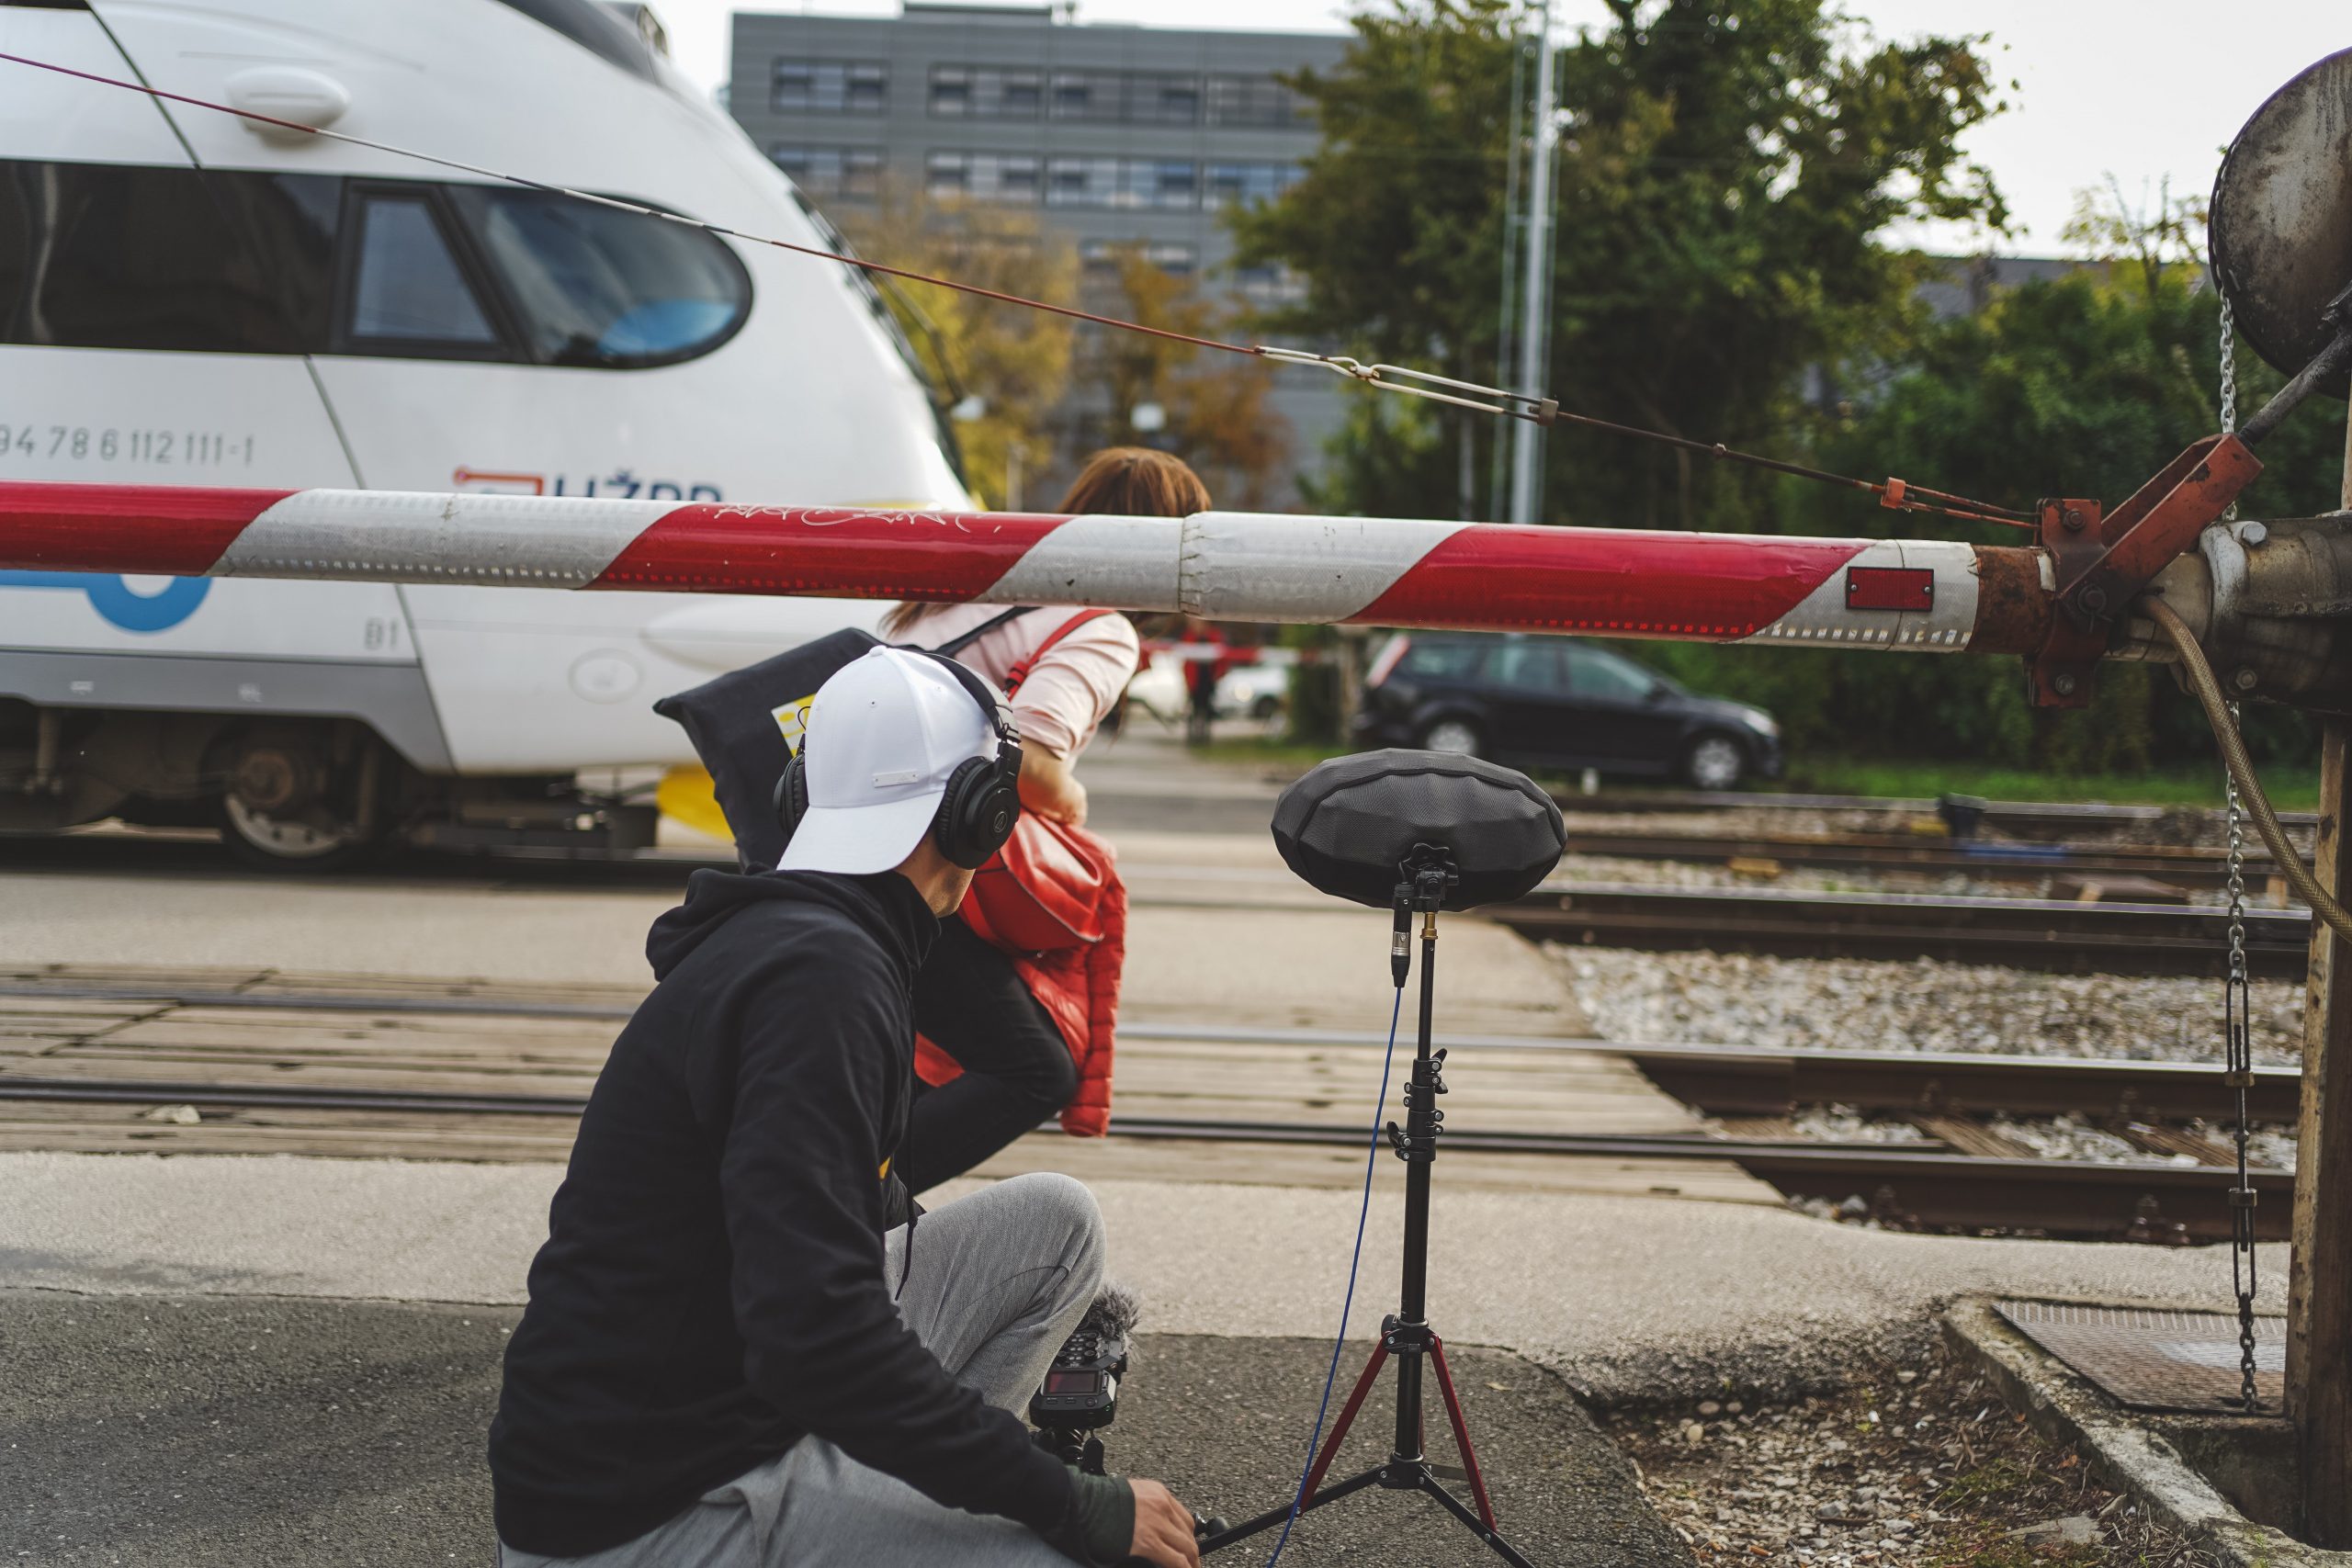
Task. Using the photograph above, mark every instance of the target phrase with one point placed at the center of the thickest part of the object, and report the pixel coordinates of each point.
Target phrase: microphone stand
(1406, 1334)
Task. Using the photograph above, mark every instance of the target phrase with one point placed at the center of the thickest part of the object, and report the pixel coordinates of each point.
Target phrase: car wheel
(1714, 763)
(1457, 736)
(1269, 706)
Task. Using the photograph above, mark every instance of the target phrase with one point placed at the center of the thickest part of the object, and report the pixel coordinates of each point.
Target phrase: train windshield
(596, 286)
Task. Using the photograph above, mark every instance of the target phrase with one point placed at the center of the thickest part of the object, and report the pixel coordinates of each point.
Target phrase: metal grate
(2159, 1360)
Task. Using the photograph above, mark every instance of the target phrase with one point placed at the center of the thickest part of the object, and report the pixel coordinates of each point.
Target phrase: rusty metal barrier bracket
(2102, 562)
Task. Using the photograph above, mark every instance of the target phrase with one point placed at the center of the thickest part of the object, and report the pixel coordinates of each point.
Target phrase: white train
(185, 300)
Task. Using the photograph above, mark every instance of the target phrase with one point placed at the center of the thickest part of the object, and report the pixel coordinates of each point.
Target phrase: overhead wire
(1892, 492)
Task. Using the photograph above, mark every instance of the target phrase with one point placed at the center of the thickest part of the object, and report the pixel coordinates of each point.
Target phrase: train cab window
(592, 286)
(408, 291)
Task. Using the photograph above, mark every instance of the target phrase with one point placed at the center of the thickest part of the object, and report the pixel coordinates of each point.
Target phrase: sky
(2140, 90)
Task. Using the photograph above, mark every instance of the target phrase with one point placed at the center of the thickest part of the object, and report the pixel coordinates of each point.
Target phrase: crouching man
(739, 1349)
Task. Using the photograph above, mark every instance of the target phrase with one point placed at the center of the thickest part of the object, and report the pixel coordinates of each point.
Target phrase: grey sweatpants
(1000, 1280)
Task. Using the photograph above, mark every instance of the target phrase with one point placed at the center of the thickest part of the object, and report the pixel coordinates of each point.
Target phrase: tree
(1397, 225)
(2085, 386)
(1014, 362)
(1725, 174)
(1216, 405)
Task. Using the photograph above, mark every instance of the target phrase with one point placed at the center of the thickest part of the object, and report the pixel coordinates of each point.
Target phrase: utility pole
(1535, 285)
(2319, 1280)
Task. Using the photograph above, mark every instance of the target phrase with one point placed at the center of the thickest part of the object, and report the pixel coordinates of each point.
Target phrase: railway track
(1981, 859)
(1927, 1186)
(2018, 819)
(2065, 936)
(1958, 1176)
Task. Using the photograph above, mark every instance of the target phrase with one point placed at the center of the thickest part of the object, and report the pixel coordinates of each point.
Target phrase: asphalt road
(191, 1432)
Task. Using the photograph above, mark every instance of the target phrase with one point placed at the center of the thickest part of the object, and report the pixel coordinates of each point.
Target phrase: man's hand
(1163, 1528)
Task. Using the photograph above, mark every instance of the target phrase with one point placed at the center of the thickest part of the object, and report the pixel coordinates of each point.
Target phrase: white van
(186, 297)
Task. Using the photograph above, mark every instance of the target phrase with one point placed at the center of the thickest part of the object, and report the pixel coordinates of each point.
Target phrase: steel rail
(2011, 816)
(1994, 860)
(1727, 1080)
(1931, 1187)
(2035, 933)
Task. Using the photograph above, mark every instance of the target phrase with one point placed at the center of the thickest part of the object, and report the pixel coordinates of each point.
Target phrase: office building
(1117, 136)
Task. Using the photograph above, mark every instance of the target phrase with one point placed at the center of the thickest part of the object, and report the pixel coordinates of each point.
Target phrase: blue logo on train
(118, 602)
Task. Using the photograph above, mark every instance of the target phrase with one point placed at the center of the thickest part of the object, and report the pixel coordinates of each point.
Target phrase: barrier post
(2319, 1306)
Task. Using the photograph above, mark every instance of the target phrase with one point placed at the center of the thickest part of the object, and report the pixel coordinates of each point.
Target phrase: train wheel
(273, 843)
(291, 807)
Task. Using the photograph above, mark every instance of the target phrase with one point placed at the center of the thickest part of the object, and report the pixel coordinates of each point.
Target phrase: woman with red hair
(1016, 1037)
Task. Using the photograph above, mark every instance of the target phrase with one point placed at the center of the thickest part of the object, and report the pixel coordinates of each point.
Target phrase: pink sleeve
(1073, 688)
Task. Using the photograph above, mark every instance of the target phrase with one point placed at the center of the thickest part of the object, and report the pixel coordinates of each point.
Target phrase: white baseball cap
(884, 736)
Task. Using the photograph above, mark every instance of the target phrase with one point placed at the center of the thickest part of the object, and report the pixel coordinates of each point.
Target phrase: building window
(1086, 95)
(1100, 257)
(829, 87)
(1175, 184)
(1258, 101)
(986, 92)
(1156, 99)
(1160, 185)
(1011, 178)
(1139, 98)
(1249, 182)
(948, 174)
(843, 173)
(951, 91)
(1014, 179)
(1269, 285)
(1021, 94)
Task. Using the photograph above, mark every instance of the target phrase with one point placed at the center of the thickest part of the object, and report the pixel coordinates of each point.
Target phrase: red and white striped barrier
(1925, 596)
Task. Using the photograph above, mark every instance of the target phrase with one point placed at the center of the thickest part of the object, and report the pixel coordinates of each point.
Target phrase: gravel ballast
(1730, 998)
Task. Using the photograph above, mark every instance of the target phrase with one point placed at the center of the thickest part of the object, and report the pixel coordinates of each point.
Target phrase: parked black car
(1553, 702)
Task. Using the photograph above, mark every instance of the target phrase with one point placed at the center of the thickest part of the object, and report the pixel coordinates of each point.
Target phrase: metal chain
(2237, 1038)
(2228, 386)
(2237, 994)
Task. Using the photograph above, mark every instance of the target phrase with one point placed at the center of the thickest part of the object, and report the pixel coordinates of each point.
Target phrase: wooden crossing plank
(143, 1039)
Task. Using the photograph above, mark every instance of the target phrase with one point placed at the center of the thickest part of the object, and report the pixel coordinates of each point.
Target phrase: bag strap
(1020, 671)
(954, 646)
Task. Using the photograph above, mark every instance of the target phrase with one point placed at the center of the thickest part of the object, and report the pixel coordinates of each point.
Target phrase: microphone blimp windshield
(1346, 827)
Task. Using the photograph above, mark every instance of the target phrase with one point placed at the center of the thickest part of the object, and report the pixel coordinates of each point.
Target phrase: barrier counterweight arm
(1934, 597)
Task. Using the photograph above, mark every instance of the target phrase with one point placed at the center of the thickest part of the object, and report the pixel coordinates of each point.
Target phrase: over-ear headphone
(983, 799)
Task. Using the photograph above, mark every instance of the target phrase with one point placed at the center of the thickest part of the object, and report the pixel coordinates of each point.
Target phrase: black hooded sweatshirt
(712, 1287)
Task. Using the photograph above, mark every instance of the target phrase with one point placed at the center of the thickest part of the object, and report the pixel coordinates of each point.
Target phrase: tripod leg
(1339, 1428)
(1461, 1432)
(1274, 1516)
(1486, 1532)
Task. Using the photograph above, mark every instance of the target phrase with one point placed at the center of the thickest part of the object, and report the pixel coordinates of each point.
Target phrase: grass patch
(2016, 1554)
(1997, 1478)
(2291, 789)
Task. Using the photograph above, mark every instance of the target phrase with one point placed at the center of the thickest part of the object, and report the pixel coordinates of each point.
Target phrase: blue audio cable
(1371, 1159)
